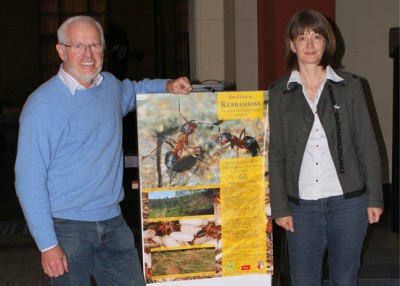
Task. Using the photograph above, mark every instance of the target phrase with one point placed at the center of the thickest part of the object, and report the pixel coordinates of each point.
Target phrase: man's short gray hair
(61, 33)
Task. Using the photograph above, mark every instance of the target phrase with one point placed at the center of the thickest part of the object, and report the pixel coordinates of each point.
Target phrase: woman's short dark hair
(304, 21)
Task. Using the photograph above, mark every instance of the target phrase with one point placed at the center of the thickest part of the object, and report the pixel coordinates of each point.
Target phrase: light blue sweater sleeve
(69, 161)
(31, 169)
(138, 87)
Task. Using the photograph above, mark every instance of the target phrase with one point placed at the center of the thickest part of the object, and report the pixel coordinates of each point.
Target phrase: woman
(325, 176)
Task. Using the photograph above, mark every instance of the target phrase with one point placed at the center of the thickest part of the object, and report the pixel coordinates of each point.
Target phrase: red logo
(245, 267)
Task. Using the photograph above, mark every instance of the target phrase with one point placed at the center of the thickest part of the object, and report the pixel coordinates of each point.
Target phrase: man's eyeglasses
(78, 48)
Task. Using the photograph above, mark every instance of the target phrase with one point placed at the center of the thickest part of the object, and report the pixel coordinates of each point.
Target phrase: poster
(203, 178)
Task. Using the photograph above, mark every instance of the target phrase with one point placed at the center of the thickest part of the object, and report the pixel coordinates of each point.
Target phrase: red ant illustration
(245, 142)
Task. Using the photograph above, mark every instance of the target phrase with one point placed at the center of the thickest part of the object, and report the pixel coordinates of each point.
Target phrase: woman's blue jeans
(336, 224)
(104, 249)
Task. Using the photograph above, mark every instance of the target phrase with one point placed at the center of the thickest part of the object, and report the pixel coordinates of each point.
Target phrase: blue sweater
(69, 162)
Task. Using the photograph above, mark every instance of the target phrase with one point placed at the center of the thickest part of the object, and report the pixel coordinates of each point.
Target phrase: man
(69, 163)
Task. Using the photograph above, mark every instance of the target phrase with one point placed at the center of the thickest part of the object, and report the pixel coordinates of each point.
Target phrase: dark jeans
(335, 224)
(104, 249)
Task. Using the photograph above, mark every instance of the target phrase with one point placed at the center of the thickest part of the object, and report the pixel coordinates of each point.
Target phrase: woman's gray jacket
(349, 133)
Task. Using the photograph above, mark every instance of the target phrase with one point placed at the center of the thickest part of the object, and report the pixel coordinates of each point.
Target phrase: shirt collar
(330, 74)
(72, 84)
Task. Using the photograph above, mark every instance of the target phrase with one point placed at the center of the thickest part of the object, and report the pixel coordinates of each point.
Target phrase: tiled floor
(20, 260)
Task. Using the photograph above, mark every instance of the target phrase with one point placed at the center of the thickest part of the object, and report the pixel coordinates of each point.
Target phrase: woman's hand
(374, 214)
(286, 223)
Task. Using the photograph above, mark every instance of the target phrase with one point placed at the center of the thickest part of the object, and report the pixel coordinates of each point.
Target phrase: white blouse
(318, 176)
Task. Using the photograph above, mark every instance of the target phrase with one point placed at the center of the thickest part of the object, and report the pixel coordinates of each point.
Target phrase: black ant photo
(241, 142)
(182, 155)
(175, 160)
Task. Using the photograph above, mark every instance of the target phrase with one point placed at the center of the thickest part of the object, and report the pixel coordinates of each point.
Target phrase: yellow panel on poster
(243, 240)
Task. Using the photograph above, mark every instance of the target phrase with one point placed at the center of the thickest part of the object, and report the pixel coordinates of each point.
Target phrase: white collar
(330, 74)
(72, 84)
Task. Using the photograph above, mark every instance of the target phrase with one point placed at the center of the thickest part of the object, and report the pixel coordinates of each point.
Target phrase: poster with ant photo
(203, 169)
(181, 139)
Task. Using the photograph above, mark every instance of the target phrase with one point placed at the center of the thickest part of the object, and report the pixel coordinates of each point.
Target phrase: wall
(132, 24)
(223, 42)
(364, 26)
(212, 43)
(19, 65)
(246, 58)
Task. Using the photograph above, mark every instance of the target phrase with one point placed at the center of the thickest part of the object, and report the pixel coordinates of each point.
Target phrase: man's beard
(84, 78)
